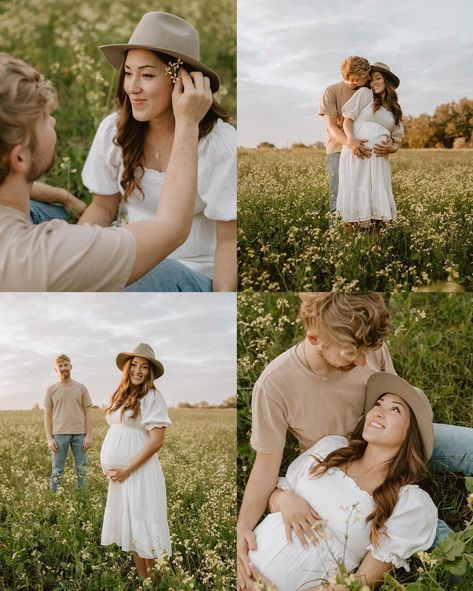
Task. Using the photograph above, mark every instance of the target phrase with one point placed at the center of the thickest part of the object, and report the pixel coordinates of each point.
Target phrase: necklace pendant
(157, 155)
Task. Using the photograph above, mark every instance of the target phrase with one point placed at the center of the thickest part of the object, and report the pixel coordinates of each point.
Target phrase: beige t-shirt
(289, 397)
(331, 103)
(67, 400)
(57, 256)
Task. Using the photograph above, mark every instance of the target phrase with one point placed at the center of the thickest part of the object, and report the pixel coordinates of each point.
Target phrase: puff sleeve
(154, 411)
(300, 466)
(101, 169)
(217, 172)
(353, 107)
(410, 529)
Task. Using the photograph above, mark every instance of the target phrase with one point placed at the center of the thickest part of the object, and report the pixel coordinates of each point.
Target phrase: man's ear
(313, 337)
(19, 159)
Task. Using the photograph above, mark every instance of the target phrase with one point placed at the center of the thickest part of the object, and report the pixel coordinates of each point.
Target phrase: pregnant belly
(120, 446)
(290, 567)
(371, 131)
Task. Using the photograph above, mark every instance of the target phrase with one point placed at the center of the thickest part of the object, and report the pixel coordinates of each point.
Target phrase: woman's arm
(225, 263)
(102, 211)
(156, 440)
(49, 194)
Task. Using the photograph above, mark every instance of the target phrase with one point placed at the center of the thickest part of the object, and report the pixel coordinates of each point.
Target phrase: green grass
(286, 242)
(52, 542)
(431, 344)
(61, 37)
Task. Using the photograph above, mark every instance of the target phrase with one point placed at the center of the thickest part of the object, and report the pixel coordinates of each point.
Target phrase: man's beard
(36, 170)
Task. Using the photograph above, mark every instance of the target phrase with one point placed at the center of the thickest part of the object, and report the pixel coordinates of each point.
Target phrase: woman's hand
(297, 515)
(191, 97)
(118, 474)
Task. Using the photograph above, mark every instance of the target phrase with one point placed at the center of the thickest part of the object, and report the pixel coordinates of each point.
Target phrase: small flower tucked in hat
(172, 69)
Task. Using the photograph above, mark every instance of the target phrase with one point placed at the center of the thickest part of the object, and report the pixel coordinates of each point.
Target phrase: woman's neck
(377, 459)
(161, 127)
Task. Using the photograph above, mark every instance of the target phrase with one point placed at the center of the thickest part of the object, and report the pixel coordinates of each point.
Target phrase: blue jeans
(453, 452)
(333, 163)
(171, 275)
(43, 212)
(59, 458)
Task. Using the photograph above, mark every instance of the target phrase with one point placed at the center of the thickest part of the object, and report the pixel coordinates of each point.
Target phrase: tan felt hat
(167, 33)
(145, 351)
(383, 383)
(385, 71)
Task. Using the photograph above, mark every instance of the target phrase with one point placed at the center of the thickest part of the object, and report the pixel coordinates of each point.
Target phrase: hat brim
(387, 74)
(382, 383)
(116, 53)
(122, 358)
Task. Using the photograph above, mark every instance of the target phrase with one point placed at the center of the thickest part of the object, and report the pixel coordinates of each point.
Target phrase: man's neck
(15, 192)
(316, 363)
(66, 380)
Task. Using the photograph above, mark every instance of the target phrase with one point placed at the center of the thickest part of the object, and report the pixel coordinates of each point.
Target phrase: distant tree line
(451, 126)
(229, 402)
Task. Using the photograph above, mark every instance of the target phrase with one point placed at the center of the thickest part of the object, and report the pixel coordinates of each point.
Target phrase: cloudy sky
(192, 334)
(290, 50)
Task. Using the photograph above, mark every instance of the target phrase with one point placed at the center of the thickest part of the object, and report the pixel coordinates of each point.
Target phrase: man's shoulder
(278, 369)
(336, 88)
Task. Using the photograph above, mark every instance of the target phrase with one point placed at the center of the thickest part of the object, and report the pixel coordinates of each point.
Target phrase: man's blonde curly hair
(351, 321)
(354, 66)
(25, 97)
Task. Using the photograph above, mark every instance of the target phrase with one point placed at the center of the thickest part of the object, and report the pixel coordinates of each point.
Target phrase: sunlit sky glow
(288, 52)
(194, 336)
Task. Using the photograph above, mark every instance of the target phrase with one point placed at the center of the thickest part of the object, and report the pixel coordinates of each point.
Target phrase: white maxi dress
(365, 189)
(135, 516)
(344, 534)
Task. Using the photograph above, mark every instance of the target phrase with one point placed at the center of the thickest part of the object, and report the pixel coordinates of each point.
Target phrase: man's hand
(246, 541)
(297, 515)
(191, 97)
(52, 445)
(118, 474)
(386, 147)
(87, 442)
(358, 149)
(73, 205)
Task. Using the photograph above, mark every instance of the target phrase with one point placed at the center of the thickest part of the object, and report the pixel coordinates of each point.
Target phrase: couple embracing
(363, 120)
(352, 495)
(135, 515)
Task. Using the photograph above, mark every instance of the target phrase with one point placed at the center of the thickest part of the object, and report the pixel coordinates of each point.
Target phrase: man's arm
(261, 483)
(158, 237)
(88, 428)
(48, 427)
(353, 144)
(225, 263)
(102, 211)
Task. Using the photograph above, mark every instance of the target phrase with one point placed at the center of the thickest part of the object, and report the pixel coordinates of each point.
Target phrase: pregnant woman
(365, 192)
(126, 165)
(372, 515)
(136, 512)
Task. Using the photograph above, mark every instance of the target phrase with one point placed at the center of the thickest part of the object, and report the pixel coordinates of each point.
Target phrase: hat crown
(144, 350)
(167, 31)
(380, 65)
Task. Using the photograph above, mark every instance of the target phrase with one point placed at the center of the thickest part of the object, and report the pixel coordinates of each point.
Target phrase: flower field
(287, 243)
(431, 344)
(53, 542)
(61, 38)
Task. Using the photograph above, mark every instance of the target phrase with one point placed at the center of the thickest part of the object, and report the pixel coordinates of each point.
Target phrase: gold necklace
(307, 364)
(157, 153)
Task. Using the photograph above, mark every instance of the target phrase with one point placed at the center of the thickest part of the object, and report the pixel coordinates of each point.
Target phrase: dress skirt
(365, 189)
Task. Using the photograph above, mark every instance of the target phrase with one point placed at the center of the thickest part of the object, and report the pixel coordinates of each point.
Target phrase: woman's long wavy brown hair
(131, 134)
(125, 396)
(407, 467)
(388, 100)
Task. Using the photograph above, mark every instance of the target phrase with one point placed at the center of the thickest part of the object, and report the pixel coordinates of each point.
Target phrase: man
(356, 73)
(55, 256)
(67, 422)
(315, 389)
